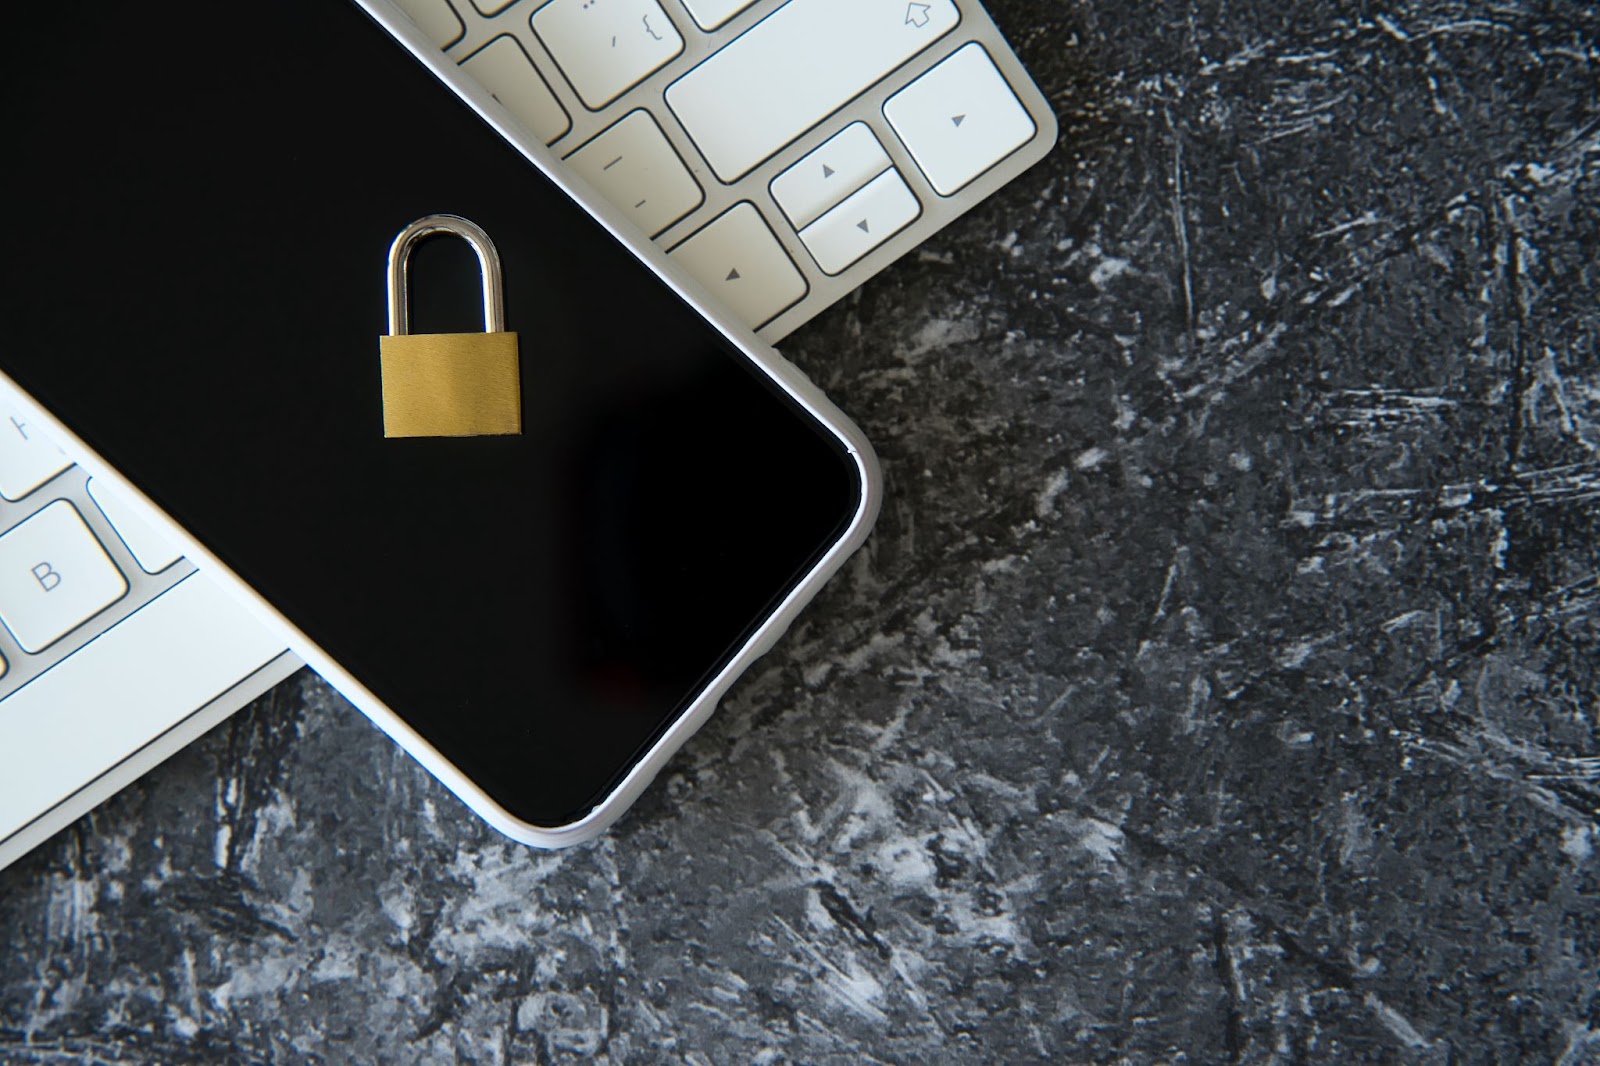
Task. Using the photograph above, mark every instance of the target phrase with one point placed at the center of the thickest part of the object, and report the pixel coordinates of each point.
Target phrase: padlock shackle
(494, 298)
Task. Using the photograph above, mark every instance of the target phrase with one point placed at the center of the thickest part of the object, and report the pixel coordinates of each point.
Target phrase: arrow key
(738, 259)
(843, 164)
(959, 119)
(862, 222)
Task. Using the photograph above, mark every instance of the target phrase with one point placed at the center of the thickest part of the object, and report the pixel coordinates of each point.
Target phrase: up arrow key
(917, 15)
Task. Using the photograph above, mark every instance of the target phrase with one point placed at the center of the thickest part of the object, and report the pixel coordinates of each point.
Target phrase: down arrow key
(879, 210)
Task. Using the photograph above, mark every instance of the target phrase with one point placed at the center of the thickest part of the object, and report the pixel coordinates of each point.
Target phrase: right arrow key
(959, 119)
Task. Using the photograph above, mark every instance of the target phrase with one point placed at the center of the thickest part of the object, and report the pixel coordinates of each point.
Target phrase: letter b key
(54, 576)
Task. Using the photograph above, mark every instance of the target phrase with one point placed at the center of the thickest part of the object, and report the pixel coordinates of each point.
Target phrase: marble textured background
(1220, 684)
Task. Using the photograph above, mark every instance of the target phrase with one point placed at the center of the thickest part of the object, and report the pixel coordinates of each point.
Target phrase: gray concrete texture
(1219, 685)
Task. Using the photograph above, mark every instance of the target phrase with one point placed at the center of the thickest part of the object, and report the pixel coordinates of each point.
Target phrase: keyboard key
(606, 47)
(632, 165)
(793, 69)
(54, 576)
(959, 119)
(864, 221)
(436, 18)
(506, 71)
(152, 549)
(27, 457)
(738, 258)
(709, 14)
(849, 160)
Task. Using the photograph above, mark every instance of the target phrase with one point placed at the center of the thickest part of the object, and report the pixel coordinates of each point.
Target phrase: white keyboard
(57, 572)
(783, 151)
(114, 650)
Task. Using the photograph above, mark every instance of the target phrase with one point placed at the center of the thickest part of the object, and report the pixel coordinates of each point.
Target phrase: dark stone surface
(1219, 685)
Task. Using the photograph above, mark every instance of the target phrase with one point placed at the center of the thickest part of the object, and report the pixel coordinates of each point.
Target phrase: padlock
(449, 384)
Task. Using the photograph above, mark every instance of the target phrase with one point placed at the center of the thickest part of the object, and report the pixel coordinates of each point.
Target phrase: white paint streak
(1108, 269)
(1401, 621)
(1396, 1023)
(1091, 458)
(941, 333)
(1577, 842)
(1045, 503)
(1295, 655)
(1393, 29)
(1102, 840)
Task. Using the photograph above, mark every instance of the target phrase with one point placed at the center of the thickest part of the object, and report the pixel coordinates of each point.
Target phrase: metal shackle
(494, 297)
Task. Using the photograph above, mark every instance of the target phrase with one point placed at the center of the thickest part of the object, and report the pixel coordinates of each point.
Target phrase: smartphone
(202, 208)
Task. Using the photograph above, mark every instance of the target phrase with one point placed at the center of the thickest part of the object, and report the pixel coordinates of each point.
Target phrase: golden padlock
(449, 384)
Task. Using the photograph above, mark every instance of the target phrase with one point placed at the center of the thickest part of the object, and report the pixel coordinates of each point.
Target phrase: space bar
(121, 691)
(795, 68)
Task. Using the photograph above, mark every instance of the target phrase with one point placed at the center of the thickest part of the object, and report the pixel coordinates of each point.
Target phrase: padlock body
(451, 385)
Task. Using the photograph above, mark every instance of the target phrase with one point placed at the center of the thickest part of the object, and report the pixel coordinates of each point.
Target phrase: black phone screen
(201, 199)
